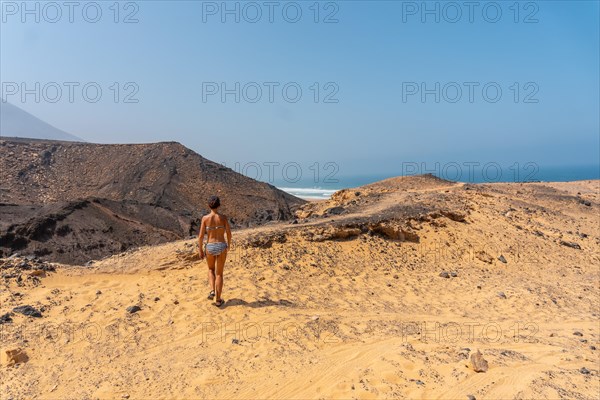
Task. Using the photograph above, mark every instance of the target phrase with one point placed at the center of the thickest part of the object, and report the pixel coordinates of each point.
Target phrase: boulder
(28, 310)
(16, 356)
(133, 309)
(479, 363)
(572, 245)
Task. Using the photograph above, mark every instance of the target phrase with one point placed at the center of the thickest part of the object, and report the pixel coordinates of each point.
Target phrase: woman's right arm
(228, 231)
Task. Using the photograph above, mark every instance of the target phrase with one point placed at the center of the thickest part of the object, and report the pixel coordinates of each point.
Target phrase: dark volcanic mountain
(72, 202)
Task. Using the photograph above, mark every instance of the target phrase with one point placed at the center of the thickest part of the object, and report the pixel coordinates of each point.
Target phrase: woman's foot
(211, 295)
(219, 302)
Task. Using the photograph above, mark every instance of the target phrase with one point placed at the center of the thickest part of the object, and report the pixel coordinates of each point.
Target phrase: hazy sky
(362, 68)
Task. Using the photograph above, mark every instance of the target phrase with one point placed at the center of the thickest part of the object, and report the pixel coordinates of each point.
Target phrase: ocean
(310, 190)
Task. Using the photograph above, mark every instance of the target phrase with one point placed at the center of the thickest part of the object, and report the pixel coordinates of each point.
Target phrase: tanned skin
(216, 264)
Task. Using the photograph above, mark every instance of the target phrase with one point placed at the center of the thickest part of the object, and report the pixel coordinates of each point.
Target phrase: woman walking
(215, 226)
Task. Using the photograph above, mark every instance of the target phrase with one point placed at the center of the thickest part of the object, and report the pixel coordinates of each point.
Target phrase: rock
(464, 352)
(265, 241)
(156, 298)
(471, 397)
(444, 274)
(125, 396)
(47, 267)
(454, 215)
(23, 265)
(572, 245)
(502, 259)
(584, 371)
(16, 356)
(335, 210)
(577, 333)
(5, 318)
(479, 363)
(37, 272)
(133, 309)
(592, 347)
(319, 238)
(28, 310)
(585, 202)
(176, 302)
(235, 341)
(483, 256)
(501, 295)
(454, 274)
(98, 292)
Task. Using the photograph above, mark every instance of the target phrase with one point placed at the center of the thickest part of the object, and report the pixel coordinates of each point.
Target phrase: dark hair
(214, 202)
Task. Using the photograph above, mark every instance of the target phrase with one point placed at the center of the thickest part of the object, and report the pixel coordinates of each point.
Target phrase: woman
(215, 225)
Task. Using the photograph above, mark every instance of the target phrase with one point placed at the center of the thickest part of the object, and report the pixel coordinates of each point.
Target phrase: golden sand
(307, 317)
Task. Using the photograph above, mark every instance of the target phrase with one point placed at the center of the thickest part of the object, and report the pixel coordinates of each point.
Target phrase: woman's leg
(220, 266)
(211, 260)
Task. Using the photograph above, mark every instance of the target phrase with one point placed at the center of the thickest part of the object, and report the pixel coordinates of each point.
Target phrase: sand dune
(351, 301)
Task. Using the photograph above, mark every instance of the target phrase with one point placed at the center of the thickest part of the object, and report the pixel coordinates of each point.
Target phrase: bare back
(216, 226)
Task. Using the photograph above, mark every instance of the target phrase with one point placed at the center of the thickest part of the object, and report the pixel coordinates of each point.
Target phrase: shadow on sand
(258, 303)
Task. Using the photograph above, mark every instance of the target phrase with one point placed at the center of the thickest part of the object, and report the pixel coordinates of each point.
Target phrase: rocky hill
(72, 202)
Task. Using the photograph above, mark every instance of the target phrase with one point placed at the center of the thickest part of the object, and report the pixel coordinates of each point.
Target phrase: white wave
(310, 193)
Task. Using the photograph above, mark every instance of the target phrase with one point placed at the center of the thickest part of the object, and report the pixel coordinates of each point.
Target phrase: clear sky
(370, 60)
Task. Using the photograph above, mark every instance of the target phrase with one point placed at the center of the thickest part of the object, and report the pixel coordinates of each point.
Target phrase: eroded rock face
(394, 231)
(333, 233)
(320, 233)
(394, 210)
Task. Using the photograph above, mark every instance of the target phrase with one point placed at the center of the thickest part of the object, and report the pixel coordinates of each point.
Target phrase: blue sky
(369, 61)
